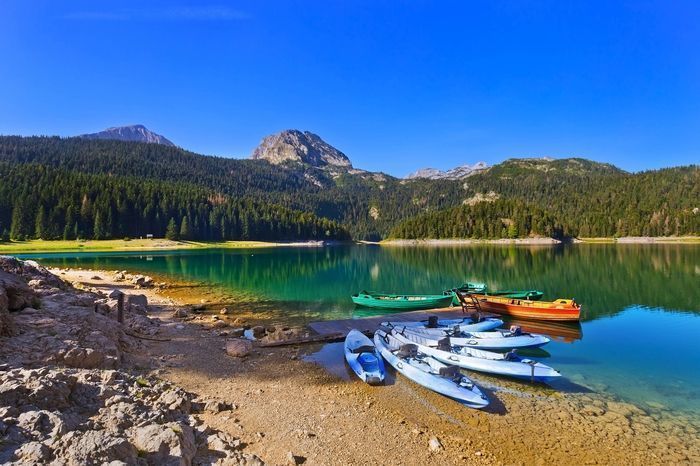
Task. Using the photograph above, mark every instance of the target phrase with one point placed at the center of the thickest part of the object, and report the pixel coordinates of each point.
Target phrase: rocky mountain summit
(456, 173)
(297, 146)
(136, 133)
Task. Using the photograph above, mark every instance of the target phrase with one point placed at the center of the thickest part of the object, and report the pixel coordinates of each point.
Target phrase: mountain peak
(297, 146)
(136, 133)
(456, 173)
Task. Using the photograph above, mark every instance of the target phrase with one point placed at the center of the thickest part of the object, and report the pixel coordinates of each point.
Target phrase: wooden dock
(336, 330)
(368, 325)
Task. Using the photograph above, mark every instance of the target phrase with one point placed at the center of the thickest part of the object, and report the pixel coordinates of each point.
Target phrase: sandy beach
(288, 404)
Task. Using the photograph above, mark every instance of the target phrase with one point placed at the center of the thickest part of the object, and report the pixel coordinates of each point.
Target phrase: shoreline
(541, 241)
(322, 416)
(142, 245)
(155, 245)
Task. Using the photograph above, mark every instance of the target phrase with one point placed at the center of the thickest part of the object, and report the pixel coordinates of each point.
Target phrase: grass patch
(117, 245)
(141, 382)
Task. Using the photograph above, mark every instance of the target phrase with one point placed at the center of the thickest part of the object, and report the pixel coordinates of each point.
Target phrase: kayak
(508, 364)
(493, 340)
(429, 372)
(459, 325)
(363, 358)
(404, 302)
(560, 309)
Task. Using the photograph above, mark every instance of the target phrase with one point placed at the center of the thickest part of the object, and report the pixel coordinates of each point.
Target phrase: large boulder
(96, 447)
(239, 347)
(5, 322)
(17, 293)
(136, 300)
(167, 444)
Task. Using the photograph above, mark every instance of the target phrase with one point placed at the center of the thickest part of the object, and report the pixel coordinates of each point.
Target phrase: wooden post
(120, 308)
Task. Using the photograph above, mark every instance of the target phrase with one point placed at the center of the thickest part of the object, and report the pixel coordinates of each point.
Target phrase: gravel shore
(284, 409)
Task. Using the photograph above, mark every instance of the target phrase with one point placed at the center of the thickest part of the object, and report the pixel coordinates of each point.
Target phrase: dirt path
(287, 404)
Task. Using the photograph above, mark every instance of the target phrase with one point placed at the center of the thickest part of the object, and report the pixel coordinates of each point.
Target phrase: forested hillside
(568, 200)
(369, 204)
(42, 202)
(137, 188)
(498, 219)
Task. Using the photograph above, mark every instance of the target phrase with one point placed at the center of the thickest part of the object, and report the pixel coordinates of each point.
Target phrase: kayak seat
(432, 322)
(409, 350)
(450, 372)
(511, 356)
(368, 361)
(443, 344)
(515, 330)
(363, 349)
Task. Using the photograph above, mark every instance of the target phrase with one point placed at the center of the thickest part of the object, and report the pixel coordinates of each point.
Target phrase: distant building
(149, 236)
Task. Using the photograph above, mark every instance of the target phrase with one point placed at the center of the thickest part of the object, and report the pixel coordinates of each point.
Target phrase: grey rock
(456, 173)
(33, 453)
(219, 324)
(296, 146)
(136, 300)
(295, 459)
(168, 444)
(95, 447)
(136, 133)
(258, 331)
(239, 348)
(434, 444)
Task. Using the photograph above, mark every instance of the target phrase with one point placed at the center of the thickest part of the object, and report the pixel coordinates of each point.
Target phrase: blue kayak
(429, 372)
(494, 340)
(465, 324)
(363, 358)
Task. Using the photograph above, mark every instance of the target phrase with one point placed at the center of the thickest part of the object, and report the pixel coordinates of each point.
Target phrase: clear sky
(396, 85)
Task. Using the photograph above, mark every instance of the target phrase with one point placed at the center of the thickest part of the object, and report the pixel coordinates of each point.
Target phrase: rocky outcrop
(136, 133)
(64, 398)
(456, 173)
(73, 416)
(296, 146)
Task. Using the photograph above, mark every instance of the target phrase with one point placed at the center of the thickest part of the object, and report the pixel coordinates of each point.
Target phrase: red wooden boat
(559, 310)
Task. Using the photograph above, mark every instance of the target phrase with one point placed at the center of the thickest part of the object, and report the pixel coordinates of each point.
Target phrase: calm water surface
(640, 335)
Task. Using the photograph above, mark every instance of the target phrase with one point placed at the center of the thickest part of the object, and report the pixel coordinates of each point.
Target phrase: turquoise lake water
(639, 339)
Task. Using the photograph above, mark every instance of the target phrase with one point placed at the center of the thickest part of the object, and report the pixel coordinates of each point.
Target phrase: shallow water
(639, 339)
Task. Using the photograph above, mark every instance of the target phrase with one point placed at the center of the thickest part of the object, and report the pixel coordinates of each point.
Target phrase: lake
(639, 339)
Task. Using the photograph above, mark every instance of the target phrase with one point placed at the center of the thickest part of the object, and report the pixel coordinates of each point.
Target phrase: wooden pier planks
(368, 325)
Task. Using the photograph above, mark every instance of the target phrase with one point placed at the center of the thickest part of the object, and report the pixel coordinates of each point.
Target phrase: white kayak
(364, 358)
(465, 324)
(495, 339)
(429, 372)
(509, 364)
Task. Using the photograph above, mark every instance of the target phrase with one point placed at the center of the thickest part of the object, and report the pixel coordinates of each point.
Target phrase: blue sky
(395, 85)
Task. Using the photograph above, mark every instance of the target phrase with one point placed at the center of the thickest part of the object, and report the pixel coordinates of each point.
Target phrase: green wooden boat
(530, 295)
(480, 288)
(401, 302)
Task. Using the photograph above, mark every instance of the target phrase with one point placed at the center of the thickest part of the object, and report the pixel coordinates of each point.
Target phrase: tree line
(41, 202)
(584, 198)
(503, 218)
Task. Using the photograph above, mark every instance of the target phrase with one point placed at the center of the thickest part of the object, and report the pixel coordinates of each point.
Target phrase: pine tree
(68, 232)
(41, 228)
(100, 229)
(185, 230)
(21, 227)
(171, 232)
